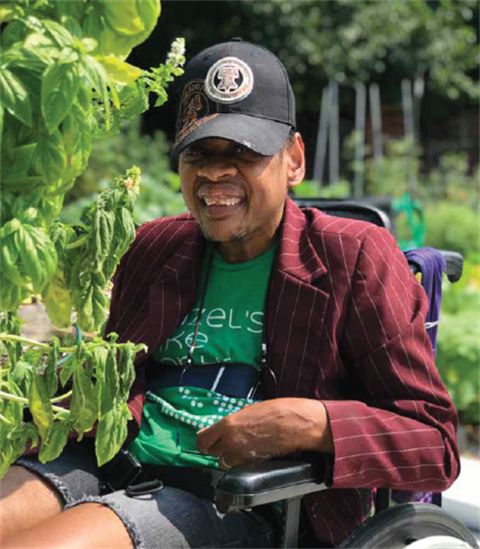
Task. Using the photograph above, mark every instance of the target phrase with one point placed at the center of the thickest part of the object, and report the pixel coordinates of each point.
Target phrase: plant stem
(33, 343)
(23, 400)
(80, 242)
(61, 397)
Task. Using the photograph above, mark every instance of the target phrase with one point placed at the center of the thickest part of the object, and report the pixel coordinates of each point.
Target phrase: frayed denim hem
(130, 525)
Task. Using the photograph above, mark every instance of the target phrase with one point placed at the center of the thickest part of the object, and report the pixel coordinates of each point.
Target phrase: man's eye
(245, 152)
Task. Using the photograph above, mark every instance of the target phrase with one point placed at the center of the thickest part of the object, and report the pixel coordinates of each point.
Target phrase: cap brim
(261, 135)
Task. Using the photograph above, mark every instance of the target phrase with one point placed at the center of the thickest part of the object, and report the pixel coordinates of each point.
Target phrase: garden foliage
(65, 83)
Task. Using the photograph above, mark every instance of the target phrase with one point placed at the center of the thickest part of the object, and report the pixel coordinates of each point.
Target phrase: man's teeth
(222, 201)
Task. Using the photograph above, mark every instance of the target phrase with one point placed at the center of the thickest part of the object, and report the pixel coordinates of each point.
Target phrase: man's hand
(268, 429)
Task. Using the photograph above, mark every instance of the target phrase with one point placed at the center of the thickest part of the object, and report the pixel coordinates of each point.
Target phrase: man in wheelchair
(272, 331)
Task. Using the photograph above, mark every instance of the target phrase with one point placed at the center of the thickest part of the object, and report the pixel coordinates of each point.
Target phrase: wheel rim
(439, 542)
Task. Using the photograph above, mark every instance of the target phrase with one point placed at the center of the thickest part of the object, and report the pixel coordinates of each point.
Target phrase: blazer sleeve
(402, 434)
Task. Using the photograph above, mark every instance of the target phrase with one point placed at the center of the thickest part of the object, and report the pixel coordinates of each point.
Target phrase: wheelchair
(412, 525)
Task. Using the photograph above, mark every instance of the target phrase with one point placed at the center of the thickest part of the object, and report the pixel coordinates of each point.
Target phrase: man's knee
(26, 500)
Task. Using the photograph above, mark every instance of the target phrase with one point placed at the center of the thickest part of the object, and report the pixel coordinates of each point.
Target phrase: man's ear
(295, 161)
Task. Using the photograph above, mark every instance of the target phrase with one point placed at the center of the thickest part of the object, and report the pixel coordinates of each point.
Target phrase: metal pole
(408, 119)
(407, 105)
(322, 138)
(334, 167)
(376, 109)
(418, 91)
(360, 114)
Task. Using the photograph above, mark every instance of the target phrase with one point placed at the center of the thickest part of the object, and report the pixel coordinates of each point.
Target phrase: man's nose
(216, 169)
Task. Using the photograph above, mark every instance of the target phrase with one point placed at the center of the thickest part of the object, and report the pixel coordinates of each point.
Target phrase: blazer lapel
(173, 293)
(295, 310)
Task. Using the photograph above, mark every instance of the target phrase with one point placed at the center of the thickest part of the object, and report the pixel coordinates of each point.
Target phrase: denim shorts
(169, 518)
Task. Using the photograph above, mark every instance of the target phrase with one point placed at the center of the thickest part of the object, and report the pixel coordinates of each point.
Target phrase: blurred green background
(430, 45)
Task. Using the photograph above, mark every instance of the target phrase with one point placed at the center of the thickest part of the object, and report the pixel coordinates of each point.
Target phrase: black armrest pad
(266, 482)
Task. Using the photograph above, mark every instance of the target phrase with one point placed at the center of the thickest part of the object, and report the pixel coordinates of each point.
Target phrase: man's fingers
(208, 437)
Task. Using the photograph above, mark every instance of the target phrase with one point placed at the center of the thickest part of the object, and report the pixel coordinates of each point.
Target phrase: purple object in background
(432, 266)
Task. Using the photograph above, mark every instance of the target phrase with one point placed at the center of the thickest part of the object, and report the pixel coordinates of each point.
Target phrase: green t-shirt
(230, 331)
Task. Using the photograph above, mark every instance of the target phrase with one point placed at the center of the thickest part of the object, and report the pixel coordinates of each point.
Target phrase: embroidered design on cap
(229, 80)
(194, 109)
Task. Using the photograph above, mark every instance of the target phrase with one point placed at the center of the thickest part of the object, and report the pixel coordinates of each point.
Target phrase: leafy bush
(64, 84)
(452, 227)
(308, 189)
(452, 181)
(395, 172)
(160, 194)
(458, 350)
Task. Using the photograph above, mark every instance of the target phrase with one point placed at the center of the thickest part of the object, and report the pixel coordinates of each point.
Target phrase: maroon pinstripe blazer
(344, 324)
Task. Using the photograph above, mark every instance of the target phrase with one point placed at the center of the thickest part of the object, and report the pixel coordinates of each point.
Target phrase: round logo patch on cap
(229, 80)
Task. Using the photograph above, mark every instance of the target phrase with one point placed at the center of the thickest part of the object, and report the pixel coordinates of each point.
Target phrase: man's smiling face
(236, 195)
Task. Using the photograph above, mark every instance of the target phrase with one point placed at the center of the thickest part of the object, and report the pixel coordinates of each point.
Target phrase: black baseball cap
(237, 91)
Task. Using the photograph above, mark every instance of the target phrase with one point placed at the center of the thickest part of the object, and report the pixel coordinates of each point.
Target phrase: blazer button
(314, 509)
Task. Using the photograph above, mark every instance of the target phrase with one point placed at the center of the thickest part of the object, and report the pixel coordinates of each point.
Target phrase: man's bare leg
(89, 525)
(26, 501)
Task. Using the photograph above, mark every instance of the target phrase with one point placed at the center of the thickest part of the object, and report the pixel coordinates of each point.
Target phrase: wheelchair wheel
(412, 525)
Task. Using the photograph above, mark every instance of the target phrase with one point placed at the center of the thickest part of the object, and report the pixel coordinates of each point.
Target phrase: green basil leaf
(50, 374)
(89, 299)
(69, 367)
(16, 31)
(15, 97)
(127, 369)
(111, 433)
(123, 236)
(58, 301)
(11, 295)
(42, 47)
(133, 100)
(8, 455)
(110, 384)
(120, 72)
(1, 124)
(61, 36)
(104, 86)
(85, 135)
(19, 161)
(19, 57)
(125, 21)
(38, 255)
(9, 10)
(39, 404)
(22, 376)
(9, 255)
(72, 8)
(162, 97)
(50, 157)
(71, 134)
(56, 440)
(21, 184)
(10, 410)
(84, 402)
(59, 88)
(102, 226)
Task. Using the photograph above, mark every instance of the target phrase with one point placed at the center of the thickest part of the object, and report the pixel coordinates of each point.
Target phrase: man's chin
(222, 238)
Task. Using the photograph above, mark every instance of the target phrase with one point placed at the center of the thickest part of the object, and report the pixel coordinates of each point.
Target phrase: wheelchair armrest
(266, 482)
(454, 262)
